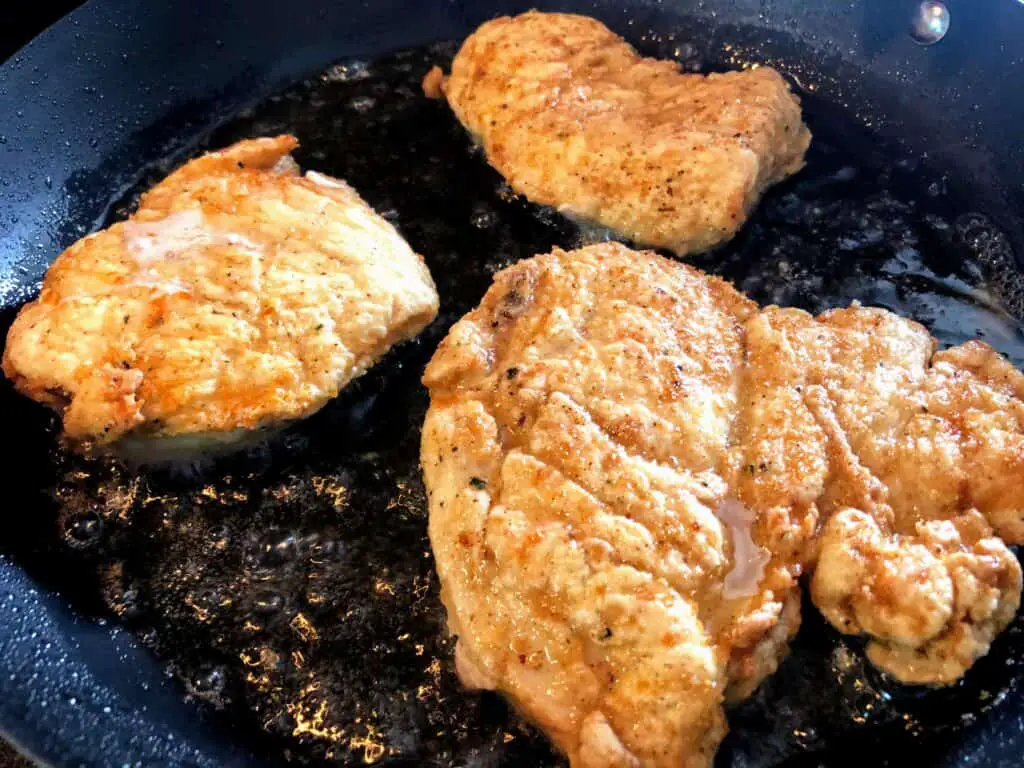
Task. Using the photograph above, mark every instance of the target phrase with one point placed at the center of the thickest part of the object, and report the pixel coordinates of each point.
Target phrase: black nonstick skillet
(280, 605)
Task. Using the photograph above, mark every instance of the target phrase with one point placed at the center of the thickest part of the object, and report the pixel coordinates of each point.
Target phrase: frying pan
(124, 594)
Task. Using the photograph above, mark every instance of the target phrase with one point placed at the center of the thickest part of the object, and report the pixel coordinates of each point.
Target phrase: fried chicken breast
(629, 466)
(240, 296)
(574, 118)
(576, 456)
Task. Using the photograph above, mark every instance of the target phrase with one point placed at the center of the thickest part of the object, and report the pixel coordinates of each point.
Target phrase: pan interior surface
(291, 591)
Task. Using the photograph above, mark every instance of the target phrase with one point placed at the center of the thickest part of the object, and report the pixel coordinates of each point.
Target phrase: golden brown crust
(574, 118)
(239, 296)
